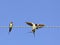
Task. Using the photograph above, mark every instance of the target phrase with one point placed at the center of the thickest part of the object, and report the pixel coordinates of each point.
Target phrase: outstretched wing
(29, 23)
(41, 25)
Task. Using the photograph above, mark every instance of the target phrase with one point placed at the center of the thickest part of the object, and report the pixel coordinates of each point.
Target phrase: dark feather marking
(10, 29)
(29, 23)
(36, 25)
(33, 32)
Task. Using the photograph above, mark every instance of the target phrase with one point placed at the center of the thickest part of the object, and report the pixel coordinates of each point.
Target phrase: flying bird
(34, 26)
(10, 26)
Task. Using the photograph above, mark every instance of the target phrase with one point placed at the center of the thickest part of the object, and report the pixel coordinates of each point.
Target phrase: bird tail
(33, 31)
(10, 29)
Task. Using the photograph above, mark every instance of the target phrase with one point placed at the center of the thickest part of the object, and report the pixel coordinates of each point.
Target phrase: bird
(34, 26)
(10, 26)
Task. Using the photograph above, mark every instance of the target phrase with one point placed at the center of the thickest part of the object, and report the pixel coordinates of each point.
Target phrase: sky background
(37, 11)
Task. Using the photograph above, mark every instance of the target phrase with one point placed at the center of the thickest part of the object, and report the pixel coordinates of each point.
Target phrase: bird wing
(40, 25)
(29, 23)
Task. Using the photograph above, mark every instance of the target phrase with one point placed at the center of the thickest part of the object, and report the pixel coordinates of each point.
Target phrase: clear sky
(38, 11)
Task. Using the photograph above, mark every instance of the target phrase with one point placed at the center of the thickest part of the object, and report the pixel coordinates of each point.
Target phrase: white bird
(10, 26)
(34, 26)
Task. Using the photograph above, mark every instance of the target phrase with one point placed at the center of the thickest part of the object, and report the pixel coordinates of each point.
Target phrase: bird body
(10, 26)
(34, 26)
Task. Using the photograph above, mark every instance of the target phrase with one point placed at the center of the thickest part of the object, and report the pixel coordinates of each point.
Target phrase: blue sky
(38, 11)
